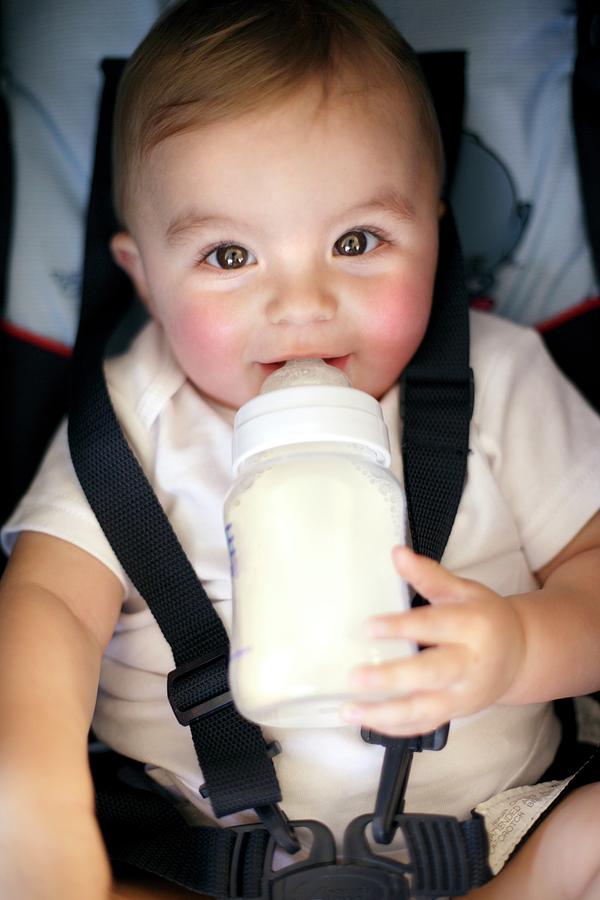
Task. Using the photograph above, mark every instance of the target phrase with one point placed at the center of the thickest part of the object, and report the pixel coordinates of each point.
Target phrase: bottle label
(231, 549)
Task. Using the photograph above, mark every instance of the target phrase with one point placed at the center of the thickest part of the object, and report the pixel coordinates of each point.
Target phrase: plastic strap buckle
(438, 863)
(361, 876)
(185, 715)
(438, 853)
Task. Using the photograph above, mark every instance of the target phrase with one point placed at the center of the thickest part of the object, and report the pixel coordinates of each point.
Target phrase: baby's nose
(301, 307)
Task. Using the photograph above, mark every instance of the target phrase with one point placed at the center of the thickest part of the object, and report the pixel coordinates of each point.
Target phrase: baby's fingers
(437, 668)
(404, 717)
(424, 625)
(429, 578)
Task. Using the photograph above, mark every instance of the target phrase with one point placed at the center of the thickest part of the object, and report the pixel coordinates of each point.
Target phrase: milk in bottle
(310, 521)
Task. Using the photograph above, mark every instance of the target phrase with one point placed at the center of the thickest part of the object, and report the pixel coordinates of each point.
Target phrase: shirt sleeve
(541, 437)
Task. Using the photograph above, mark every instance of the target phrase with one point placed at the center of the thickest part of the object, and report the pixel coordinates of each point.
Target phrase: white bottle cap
(308, 401)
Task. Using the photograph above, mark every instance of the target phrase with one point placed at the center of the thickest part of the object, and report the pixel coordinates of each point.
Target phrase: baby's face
(288, 233)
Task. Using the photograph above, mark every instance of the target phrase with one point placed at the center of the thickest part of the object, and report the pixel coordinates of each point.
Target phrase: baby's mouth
(339, 362)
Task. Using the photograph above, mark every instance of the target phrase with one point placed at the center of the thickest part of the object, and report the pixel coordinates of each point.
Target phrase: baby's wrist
(515, 654)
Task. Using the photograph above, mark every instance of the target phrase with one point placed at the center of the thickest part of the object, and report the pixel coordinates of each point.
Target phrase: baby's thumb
(426, 576)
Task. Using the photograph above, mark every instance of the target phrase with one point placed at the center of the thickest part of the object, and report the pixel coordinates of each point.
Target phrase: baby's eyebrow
(193, 220)
(388, 200)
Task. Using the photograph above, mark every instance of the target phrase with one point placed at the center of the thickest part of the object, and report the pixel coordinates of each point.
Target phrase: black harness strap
(142, 828)
(437, 404)
(436, 407)
(144, 542)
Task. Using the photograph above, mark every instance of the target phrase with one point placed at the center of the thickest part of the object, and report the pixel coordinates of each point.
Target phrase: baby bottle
(310, 521)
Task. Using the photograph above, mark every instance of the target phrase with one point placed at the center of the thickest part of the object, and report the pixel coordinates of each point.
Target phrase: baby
(278, 176)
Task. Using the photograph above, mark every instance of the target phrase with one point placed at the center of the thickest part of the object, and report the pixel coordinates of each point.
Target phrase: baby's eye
(229, 256)
(354, 243)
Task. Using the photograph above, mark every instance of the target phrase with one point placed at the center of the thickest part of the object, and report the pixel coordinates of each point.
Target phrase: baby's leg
(145, 887)
(560, 861)
(593, 889)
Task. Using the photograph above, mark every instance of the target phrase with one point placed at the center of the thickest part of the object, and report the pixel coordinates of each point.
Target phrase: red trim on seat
(36, 340)
(571, 313)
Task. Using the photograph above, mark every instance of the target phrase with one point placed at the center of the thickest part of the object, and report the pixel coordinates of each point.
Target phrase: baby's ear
(126, 254)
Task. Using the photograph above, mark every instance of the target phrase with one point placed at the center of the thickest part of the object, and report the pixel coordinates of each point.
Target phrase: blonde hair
(208, 60)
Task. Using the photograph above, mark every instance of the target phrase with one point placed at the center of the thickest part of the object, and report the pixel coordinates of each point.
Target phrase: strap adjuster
(187, 715)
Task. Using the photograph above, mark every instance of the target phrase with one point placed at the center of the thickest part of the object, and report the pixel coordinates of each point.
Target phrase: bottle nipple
(302, 372)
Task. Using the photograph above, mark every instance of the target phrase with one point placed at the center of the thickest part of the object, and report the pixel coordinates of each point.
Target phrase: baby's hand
(474, 646)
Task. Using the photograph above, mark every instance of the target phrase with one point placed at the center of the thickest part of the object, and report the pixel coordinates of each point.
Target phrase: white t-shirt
(533, 482)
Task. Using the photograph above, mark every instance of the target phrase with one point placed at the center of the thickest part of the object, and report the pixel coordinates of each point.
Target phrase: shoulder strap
(444, 72)
(437, 403)
(141, 536)
(436, 406)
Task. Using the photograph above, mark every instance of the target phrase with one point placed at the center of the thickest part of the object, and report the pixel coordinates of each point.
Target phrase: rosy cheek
(204, 338)
(191, 334)
(400, 313)
(185, 322)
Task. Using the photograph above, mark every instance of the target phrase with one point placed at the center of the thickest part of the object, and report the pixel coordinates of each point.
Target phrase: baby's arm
(58, 608)
(483, 648)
